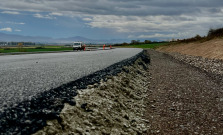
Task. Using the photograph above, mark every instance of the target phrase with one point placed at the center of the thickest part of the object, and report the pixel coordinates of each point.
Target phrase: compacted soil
(182, 99)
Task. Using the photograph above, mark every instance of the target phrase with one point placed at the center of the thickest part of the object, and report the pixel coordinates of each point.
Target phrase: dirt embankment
(115, 106)
(210, 49)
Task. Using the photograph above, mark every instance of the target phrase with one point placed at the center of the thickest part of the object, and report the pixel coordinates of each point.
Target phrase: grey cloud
(214, 10)
(114, 7)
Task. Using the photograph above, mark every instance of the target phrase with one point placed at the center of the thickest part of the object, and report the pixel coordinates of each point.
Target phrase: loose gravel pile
(214, 67)
(115, 106)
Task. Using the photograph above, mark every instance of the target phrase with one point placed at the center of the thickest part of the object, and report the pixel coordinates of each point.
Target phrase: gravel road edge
(114, 106)
(29, 116)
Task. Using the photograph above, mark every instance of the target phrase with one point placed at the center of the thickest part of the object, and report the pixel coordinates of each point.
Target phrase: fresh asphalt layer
(24, 76)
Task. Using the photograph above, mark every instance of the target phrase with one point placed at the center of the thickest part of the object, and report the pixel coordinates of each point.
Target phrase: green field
(34, 49)
(151, 45)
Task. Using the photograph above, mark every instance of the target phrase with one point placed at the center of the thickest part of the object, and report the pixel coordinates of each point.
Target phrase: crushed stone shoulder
(182, 99)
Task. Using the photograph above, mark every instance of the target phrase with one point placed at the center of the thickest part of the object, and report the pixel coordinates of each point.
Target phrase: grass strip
(11, 50)
(144, 46)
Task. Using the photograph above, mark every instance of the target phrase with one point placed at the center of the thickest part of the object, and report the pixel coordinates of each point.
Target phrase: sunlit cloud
(6, 29)
(87, 19)
(17, 30)
(16, 23)
(44, 16)
(56, 14)
(10, 12)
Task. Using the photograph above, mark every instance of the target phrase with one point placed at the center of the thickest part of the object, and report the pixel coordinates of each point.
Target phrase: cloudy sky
(111, 19)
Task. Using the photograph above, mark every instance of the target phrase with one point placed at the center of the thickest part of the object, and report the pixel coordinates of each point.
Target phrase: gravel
(213, 67)
(183, 99)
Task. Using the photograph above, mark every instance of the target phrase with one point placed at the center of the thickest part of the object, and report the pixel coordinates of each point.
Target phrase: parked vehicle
(78, 46)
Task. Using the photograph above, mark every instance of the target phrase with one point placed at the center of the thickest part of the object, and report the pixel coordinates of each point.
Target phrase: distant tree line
(16, 43)
(215, 33)
(188, 40)
(137, 42)
(212, 33)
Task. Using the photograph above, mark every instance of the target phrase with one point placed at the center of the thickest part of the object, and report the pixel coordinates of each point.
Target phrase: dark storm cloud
(114, 7)
(214, 10)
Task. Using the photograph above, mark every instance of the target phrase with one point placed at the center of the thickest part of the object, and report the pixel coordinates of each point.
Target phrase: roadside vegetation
(138, 44)
(33, 49)
(209, 46)
(212, 34)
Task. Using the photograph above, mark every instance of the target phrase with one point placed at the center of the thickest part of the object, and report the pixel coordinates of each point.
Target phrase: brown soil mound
(211, 49)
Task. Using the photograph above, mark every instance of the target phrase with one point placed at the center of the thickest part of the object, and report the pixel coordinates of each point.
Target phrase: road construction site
(149, 92)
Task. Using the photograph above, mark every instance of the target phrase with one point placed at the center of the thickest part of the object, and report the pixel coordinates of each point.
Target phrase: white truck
(78, 46)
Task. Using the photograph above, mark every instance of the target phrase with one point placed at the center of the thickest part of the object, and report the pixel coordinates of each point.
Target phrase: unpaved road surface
(24, 76)
(182, 99)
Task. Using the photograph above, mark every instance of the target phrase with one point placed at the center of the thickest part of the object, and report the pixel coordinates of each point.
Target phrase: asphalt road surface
(24, 76)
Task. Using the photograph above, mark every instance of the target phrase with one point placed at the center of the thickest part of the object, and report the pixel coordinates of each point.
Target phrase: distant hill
(39, 39)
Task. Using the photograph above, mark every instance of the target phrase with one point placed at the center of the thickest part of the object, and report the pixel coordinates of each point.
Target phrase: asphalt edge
(29, 116)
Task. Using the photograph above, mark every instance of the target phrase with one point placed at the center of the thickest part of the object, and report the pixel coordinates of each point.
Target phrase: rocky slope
(115, 106)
